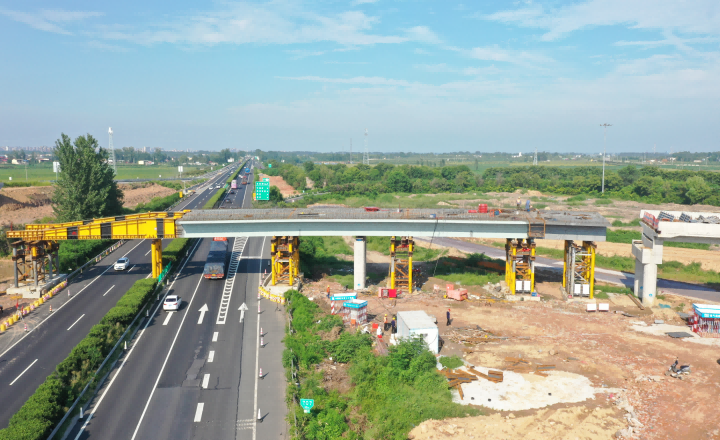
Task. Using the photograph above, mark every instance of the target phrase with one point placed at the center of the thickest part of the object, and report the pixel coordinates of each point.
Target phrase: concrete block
(604, 307)
(591, 307)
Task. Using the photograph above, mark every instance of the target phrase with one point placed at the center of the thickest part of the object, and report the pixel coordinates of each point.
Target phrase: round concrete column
(360, 258)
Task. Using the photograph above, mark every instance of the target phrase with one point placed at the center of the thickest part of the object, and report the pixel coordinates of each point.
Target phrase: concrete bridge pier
(360, 259)
(648, 254)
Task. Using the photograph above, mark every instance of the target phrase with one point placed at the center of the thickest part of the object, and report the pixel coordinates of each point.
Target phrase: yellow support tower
(284, 259)
(401, 253)
(156, 250)
(579, 269)
(520, 265)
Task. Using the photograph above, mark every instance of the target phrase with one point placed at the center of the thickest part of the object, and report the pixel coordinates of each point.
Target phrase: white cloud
(366, 80)
(363, 2)
(470, 71)
(49, 20)
(276, 23)
(421, 52)
(494, 53)
(698, 16)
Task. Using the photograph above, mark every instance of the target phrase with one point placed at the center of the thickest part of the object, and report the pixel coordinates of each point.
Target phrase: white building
(418, 323)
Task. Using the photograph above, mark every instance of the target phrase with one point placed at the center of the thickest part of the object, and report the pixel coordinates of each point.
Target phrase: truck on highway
(215, 261)
(244, 179)
(233, 184)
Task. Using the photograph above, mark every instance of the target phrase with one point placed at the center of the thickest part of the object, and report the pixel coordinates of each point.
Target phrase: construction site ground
(618, 360)
(285, 188)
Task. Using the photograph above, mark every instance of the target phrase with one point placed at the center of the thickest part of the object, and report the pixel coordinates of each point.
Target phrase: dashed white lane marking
(133, 267)
(167, 318)
(215, 336)
(198, 412)
(146, 253)
(76, 321)
(108, 291)
(24, 371)
(206, 381)
(211, 356)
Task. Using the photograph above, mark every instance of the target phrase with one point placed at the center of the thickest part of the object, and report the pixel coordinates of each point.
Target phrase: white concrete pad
(519, 392)
(662, 329)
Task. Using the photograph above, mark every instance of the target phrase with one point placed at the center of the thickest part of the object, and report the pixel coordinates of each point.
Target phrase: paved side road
(605, 275)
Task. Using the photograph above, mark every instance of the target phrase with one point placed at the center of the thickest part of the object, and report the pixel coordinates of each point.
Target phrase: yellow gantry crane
(36, 239)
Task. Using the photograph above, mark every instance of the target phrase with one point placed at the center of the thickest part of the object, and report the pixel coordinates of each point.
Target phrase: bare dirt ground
(25, 205)
(284, 187)
(624, 358)
(625, 367)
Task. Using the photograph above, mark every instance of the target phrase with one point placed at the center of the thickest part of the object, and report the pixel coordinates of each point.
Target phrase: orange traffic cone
(50, 308)
(261, 375)
(25, 327)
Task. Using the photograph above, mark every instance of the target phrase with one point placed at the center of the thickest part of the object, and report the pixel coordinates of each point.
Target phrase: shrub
(451, 362)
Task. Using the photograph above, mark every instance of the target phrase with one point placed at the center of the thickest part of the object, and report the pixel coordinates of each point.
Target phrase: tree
(85, 187)
(398, 181)
(275, 194)
(697, 190)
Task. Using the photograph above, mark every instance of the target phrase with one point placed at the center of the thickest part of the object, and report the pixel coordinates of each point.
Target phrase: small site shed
(418, 323)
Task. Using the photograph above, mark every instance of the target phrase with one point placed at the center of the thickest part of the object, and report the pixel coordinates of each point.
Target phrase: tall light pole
(604, 126)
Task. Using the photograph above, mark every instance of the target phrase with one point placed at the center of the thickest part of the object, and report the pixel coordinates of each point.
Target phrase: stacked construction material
(705, 320)
(519, 365)
(458, 377)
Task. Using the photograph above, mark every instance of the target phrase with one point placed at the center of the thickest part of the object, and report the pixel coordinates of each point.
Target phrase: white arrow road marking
(76, 321)
(108, 291)
(242, 309)
(24, 371)
(202, 311)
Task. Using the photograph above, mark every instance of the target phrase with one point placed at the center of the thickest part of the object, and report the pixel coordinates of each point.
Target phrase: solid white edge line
(167, 318)
(73, 325)
(206, 381)
(108, 291)
(198, 412)
(211, 356)
(257, 355)
(215, 336)
(24, 371)
(152, 392)
(97, 405)
(64, 304)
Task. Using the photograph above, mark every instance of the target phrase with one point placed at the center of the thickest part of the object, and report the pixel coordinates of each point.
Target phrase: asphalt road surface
(195, 373)
(28, 361)
(605, 275)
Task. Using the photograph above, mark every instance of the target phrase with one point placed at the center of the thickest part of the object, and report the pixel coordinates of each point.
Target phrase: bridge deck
(415, 222)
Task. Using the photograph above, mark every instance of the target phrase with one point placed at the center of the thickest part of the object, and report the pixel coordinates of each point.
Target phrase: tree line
(650, 184)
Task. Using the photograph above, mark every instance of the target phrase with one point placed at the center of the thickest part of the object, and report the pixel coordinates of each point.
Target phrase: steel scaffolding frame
(579, 268)
(284, 259)
(401, 267)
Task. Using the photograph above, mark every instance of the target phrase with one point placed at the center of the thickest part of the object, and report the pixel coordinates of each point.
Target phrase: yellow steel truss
(401, 264)
(520, 264)
(579, 268)
(284, 259)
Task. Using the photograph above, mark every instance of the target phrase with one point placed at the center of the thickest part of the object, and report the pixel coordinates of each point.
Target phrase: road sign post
(307, 404)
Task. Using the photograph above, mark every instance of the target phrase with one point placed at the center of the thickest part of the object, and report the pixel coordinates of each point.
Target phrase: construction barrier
(279, 299)
(34, 305)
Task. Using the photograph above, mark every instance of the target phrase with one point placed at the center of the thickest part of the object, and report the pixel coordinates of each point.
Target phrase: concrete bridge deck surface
(559, 225)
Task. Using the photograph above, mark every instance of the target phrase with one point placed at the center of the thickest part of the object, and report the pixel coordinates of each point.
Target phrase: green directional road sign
(307, 404)
(262, 190)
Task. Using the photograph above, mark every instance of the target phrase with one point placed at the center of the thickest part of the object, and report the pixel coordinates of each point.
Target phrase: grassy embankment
(43, 174)
(389, 395)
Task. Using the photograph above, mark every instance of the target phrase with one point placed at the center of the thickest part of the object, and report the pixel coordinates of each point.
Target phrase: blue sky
(424, 76)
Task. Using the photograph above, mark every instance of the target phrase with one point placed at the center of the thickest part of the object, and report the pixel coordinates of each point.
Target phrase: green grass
(619, 223)
(382, 245)
(344, 280)
(404, 201)
(576, 199)
(451, 362)
(601, 202)
(336, 246)
(45, 173)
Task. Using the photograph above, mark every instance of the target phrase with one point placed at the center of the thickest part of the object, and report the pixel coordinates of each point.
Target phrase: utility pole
(604, 126)
(535, 158)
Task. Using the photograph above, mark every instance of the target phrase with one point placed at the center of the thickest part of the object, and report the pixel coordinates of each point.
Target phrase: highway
(26, 363)
(604, 275)
(194, 374)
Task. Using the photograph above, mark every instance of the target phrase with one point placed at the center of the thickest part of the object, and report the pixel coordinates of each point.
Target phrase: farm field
(44, 173)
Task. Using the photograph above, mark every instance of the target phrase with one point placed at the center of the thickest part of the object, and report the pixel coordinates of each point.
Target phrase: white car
(122, 264)
(172, 303)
